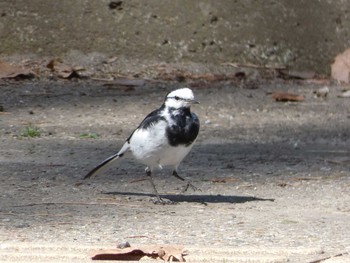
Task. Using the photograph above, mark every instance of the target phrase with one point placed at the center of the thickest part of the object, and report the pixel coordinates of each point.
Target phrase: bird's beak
(194, 102)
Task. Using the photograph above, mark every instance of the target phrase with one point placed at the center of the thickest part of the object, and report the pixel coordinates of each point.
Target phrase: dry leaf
(340, 69)
(13, 71)
(285, 96)
(63, 70)
(166, 253)
(52, 63)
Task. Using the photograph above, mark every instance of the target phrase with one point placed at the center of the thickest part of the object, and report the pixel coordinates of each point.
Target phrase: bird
(163, 138)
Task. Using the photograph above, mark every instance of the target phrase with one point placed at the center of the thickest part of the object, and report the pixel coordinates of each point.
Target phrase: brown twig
(326, 258)
(138, 180)
(249, 65)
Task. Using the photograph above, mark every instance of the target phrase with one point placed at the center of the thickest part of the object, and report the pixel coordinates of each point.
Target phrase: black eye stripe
(178, 98)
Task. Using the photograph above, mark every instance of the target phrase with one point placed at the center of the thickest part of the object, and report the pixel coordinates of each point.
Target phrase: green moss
(31, 131)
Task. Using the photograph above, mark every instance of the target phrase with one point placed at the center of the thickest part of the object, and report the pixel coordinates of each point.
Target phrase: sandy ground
(274, 176)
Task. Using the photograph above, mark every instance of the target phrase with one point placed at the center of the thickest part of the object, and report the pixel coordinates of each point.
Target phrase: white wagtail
(163, 138)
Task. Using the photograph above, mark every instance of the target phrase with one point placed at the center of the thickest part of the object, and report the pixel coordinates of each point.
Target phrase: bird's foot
(190, 185)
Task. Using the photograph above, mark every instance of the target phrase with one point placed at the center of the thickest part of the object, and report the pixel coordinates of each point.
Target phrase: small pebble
(124, 245)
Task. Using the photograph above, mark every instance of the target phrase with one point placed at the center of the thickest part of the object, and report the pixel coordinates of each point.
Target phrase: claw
(190, 185)
(160, 201)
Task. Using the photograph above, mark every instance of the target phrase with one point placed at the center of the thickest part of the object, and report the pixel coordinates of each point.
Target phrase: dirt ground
(274, 176)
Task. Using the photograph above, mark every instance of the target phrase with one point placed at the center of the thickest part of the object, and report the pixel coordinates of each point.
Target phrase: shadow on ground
(203, 199)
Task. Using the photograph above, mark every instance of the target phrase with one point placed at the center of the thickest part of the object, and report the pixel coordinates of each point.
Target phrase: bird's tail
(107, 163)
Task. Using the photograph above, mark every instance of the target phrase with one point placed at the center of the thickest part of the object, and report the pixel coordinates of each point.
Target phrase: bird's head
(180, 98)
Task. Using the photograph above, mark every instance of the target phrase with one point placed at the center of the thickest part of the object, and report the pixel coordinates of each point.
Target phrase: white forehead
(184, 93)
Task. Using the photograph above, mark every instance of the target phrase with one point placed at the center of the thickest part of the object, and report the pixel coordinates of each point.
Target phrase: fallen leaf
(340, 69)
(8, 71)
(62, 70)
(345, 94)
(286, 96)
(166, 253)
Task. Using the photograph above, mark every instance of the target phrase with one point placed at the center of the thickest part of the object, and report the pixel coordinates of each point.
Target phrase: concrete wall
(303, 34)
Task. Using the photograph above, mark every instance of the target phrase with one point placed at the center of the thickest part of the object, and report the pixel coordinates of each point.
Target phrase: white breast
(150, 147)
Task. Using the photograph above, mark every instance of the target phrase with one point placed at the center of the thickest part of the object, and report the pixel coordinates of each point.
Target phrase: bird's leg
(159, 199)
(188, 183)
(149, 174)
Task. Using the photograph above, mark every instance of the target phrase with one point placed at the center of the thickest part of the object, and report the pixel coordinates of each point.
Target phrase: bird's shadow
(203, 199)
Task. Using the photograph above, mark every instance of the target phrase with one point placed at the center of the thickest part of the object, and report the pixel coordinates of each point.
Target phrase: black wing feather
(149, 120)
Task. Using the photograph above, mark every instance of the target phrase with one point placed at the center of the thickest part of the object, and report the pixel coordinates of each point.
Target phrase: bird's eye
(176, 98)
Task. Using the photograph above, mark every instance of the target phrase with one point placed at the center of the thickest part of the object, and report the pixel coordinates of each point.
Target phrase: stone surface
(305, 35)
